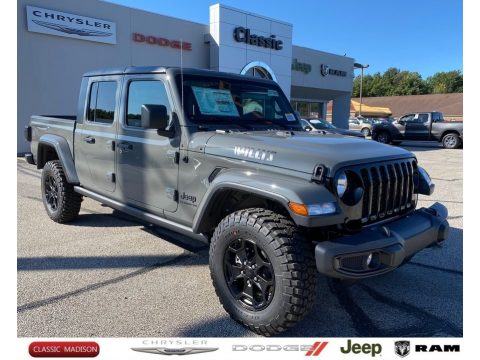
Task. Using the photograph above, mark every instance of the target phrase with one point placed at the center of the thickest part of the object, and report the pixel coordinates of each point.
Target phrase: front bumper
(380, 249)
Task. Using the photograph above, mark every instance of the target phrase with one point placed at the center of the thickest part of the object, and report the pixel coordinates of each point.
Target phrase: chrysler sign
(80, 27)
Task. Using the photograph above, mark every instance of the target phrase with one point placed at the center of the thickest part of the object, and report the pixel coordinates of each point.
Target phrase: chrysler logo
(70, 30)
(175, 351)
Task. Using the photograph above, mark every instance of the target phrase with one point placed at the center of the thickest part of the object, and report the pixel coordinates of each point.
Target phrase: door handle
(124, 147)
(89, 140)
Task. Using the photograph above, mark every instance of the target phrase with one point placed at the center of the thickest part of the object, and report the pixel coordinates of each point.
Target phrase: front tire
(61, 202)
(263, 270)
(451, 141)
(384, 137)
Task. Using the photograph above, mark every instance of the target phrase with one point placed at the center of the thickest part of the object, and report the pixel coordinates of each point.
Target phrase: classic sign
(240, 34)
(58, 23)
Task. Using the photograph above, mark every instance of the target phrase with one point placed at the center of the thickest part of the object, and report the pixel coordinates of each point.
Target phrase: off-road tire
(68, 201)
(292, 260)
(451, 141)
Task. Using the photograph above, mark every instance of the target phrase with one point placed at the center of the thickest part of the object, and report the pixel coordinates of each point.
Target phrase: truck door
(401, 125)
(95, 135)
(418, 127)
(147, 163)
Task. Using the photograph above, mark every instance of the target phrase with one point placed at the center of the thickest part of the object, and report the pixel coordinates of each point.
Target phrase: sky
(416, 35)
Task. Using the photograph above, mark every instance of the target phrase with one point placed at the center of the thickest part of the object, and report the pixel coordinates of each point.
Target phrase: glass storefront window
(308, 109)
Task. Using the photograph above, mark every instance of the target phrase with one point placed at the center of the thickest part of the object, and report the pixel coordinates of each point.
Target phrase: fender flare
(277, 188)
(62, 148)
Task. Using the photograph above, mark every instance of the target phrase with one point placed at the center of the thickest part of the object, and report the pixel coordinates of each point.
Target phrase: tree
(396, 82)
(446, 82)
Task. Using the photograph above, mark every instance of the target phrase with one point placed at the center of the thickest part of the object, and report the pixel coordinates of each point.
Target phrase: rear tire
(61, 202)
(451, 141)
(366, 132)
(384, 137)
(264, 249)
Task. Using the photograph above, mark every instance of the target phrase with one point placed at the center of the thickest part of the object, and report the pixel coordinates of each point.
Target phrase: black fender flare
(64, 153)
(274, 187)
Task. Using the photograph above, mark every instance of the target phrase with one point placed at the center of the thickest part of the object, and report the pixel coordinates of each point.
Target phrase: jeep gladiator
(223, 158)
(424, 126)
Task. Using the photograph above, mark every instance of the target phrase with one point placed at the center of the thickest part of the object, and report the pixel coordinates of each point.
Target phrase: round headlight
(342, 183)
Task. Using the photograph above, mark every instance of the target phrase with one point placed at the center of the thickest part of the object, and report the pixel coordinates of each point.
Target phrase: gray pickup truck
(223, 158)
(424, 126)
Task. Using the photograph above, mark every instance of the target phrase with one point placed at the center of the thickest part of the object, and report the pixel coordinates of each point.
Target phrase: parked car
(361, 124)
(321, 124)
(422, 126)
(222, 158)
(384, 119)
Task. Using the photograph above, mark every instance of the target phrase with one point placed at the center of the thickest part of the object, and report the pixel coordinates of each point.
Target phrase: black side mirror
(156, 117)
(401, 122)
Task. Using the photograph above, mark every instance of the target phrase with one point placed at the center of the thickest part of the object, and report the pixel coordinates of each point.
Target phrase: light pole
(360, 66)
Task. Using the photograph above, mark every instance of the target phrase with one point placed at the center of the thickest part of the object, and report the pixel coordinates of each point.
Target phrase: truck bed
(61, 125)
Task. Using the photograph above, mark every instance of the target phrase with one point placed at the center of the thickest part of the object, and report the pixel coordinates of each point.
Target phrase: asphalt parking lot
(105, 275)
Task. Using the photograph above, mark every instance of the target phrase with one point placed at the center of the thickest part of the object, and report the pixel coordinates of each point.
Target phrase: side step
(140, 214)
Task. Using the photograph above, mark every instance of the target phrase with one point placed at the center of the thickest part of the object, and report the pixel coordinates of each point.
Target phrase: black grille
(388, 190)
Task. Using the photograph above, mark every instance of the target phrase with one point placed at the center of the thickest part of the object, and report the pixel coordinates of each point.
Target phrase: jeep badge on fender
(275, 203)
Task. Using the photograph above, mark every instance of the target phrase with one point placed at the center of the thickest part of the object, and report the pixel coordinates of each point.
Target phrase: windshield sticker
(290, 117)
(215, 101)
(272, 92)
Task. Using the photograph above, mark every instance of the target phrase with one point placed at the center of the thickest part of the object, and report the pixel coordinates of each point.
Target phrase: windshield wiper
(213, 123)
(270, 123)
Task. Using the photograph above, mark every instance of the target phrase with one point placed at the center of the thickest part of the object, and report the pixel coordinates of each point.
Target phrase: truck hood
(300, 151)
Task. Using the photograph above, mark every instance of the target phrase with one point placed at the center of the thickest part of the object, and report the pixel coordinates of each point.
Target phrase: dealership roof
(451, 105)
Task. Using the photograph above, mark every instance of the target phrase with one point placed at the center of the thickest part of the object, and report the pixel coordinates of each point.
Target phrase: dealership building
(58, 41)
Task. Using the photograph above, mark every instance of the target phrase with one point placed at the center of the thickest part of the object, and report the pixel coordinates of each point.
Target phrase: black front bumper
(380, 249)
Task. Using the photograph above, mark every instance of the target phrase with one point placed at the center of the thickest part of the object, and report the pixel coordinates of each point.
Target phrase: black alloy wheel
(61, 201)
(383, 137)
(249, 274)
(51, 193)
(263, 270)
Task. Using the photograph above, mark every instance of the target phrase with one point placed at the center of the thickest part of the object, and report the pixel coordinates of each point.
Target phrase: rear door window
(101, 104)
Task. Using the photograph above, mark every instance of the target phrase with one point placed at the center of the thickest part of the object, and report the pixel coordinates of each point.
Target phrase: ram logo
(251, 153)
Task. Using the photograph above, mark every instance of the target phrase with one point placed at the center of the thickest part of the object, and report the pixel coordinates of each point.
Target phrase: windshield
(321, 124)
(246, 104)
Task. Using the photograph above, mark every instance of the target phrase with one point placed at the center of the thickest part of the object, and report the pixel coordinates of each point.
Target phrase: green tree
(446, 82)
(397, 82)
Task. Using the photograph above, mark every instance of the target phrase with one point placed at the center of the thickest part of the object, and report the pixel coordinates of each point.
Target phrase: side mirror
(401, 122)
(308, 129)
(154, 117)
